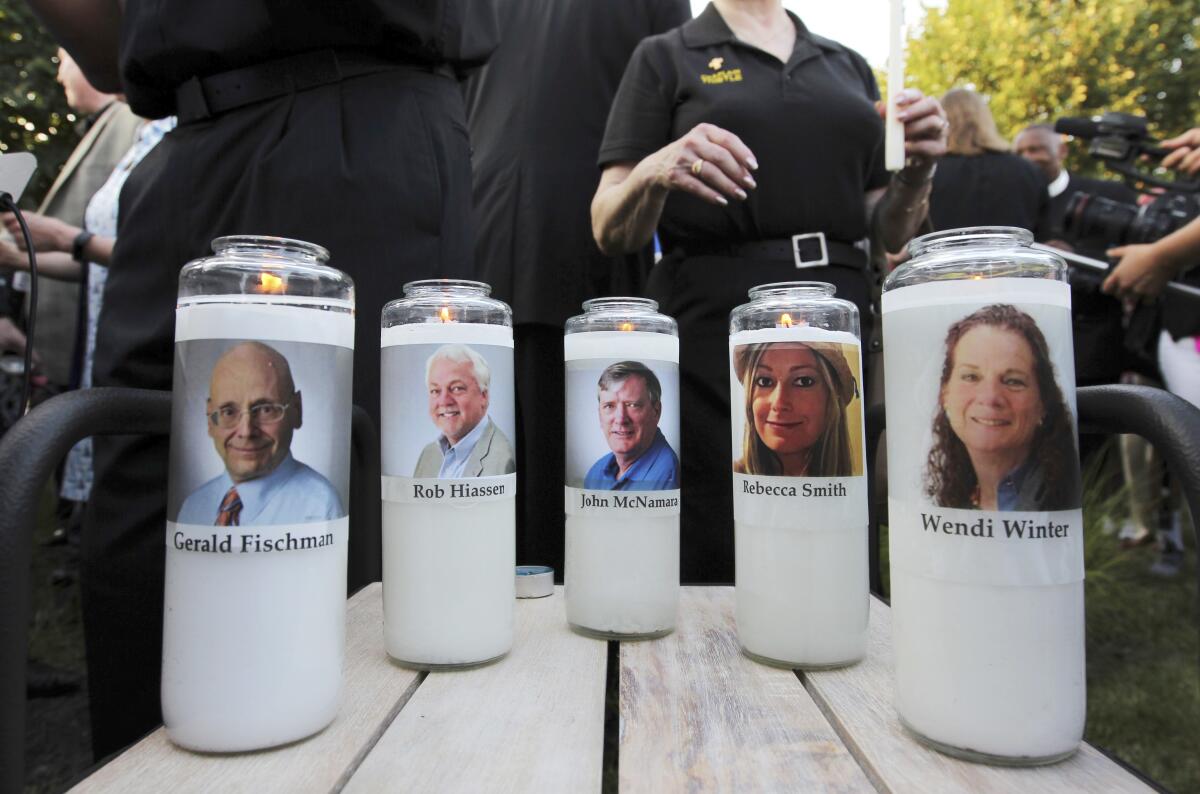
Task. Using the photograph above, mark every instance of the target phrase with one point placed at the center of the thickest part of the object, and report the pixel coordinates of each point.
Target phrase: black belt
(204, 97)
(804, 250)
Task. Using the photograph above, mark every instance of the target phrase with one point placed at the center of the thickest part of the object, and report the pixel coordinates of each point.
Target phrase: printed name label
(257, 539)
(431, 490)
(610, 504)
(1015, 548)
(800, 503)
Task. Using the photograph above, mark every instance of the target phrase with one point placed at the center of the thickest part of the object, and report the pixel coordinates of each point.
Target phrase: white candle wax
(992, 670)
(252, 645)
(622, 577)
(448, 584)
(801, 595)
(894, 128)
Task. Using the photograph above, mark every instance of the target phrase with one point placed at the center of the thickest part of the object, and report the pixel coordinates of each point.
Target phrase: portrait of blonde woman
(796, 398)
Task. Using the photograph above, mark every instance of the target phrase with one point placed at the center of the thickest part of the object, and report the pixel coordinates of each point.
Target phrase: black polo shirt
(810, 122)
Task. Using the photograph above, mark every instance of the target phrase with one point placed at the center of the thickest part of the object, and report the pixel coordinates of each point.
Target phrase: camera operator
(1143, 270)
(1141, 273)
(1096, 317)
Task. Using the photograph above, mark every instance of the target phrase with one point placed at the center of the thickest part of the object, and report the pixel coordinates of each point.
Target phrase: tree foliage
(33, 111)
(1038, 60)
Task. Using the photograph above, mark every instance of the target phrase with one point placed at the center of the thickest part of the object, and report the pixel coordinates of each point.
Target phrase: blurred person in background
(980, 182)
(1141, 273)
(107, 128)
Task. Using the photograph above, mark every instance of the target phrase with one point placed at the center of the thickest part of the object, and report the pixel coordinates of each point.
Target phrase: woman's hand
(926, 130)
(1186, 154)
(707, 162)
(1142, 272)
(48, 234)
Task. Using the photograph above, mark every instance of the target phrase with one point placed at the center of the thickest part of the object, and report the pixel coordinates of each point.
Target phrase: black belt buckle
(810, 250)
(190, 102)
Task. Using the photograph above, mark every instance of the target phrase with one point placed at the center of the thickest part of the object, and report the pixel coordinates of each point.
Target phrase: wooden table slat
(374, 691)
(858, 700)
(697, 715)
(534, 721)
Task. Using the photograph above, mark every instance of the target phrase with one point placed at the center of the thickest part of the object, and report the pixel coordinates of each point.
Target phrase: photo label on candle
(622, 435)
(261, 442)
(798, 436)
(990, 491)
(449, 426)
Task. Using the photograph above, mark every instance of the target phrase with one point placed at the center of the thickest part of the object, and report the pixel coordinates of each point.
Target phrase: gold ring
(697, 167)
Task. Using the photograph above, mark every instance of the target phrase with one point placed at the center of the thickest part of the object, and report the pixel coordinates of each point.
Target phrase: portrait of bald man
(252, 411)
(470, 444)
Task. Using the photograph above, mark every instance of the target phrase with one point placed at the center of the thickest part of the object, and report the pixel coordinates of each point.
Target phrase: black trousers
(699, 293)
(541, 445)
(377, 170)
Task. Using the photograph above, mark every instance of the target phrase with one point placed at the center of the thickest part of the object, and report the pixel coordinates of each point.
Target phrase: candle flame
(786, 320)
(444, 314)
(626, 326)
(270, 283)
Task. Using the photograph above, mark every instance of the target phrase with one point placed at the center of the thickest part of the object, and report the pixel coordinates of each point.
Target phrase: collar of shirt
(256, 493)
(455, 456)
(1059, 184)
(710, 29)
(639, 467)
(1008, 492)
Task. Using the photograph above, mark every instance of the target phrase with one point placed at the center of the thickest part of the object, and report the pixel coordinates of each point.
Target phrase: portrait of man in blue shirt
(470, 444)
(630, 403)
(253, 409)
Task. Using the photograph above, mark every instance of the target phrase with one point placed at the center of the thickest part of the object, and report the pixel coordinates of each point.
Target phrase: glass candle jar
(799, 488)
(255, 593)
(985, 526)
(622, 469)
(449, 475)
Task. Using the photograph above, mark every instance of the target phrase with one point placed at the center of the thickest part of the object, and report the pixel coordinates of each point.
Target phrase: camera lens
(1095, 216)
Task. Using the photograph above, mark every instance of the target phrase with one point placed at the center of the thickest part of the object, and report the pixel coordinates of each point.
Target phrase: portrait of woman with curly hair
(1003, 438)
(795, 410)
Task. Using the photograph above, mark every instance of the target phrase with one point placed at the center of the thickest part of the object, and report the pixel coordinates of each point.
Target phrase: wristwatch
(81, 241)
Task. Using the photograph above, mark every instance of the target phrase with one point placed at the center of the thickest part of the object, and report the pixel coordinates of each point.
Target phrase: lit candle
(622, 493)
(894, 128)
(257, 526)
(449, 475)
(984, 519)
(799, 490)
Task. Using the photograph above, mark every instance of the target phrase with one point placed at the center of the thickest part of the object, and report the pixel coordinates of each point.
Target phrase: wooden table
(695, 715)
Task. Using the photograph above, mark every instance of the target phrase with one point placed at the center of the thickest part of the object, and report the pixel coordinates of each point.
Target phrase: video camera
(1121, 141)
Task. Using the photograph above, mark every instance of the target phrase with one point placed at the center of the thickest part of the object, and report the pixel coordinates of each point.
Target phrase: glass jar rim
(970, 235)
(430, 285)
(821, 288)
(614, 302)
(270, 244)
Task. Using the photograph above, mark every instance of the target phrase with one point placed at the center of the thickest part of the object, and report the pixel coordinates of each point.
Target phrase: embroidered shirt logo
(720, 74)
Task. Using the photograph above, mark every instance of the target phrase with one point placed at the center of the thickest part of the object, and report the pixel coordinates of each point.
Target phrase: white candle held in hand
(894, 128)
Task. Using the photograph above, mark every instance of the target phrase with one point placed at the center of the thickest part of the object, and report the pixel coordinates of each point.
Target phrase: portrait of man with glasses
(253, 409)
